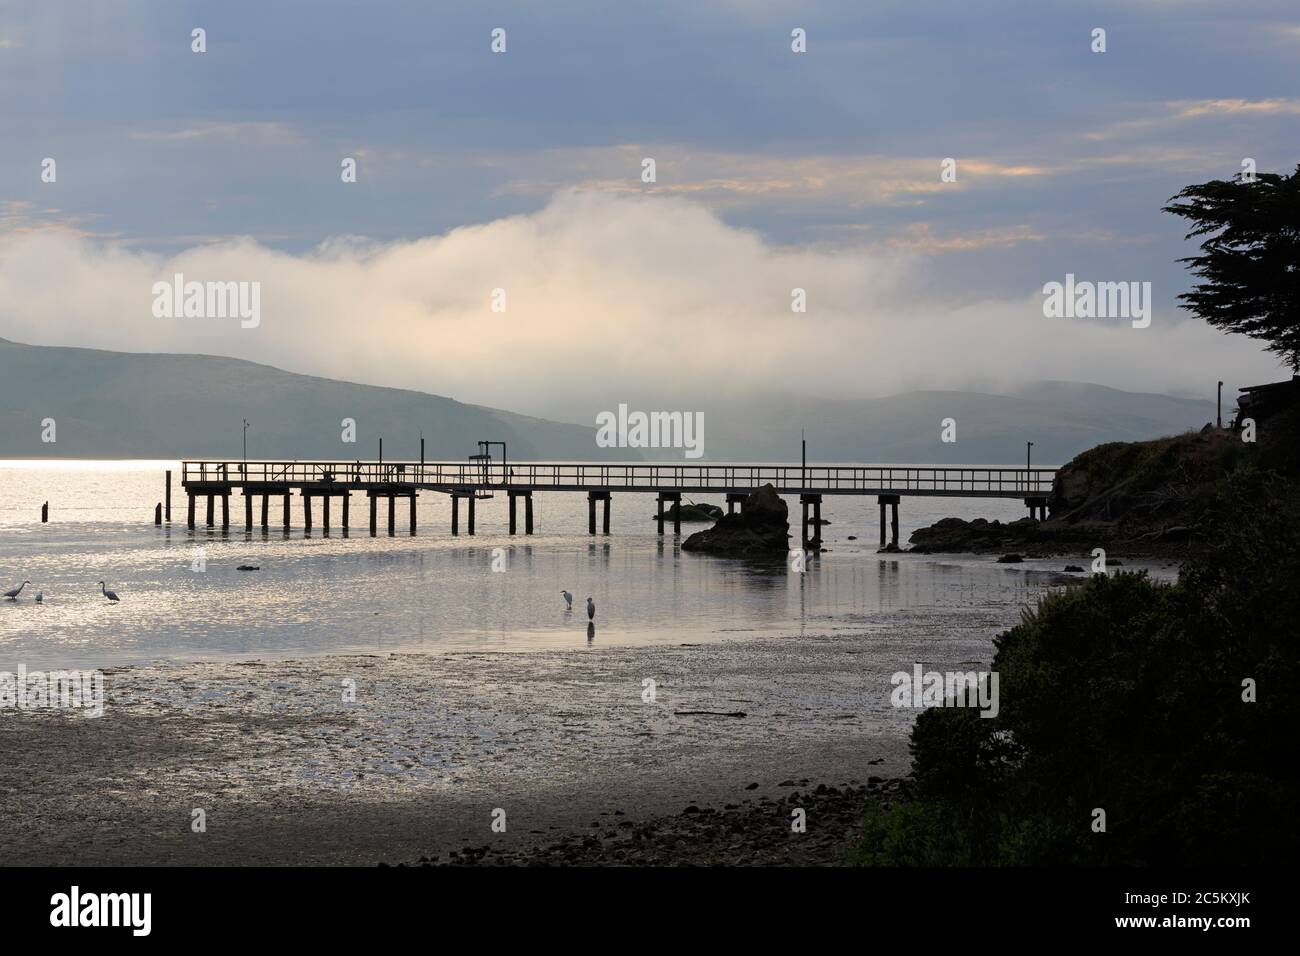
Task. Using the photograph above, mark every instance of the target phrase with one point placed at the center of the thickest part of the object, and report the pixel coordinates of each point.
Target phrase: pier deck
(477, 479)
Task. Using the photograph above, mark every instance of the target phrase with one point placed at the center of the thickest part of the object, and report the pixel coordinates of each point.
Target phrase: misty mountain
(122, 405)
(1060, 418)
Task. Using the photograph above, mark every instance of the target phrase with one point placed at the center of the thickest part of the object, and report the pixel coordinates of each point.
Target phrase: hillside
(120, 405)
(1148, 498)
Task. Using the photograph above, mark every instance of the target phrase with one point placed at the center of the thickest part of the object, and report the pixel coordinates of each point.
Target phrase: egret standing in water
(13, 595)
(591, 609)
(111, 595)
(568, 600)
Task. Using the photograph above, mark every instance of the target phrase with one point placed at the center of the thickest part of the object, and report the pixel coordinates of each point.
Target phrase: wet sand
(288, 772)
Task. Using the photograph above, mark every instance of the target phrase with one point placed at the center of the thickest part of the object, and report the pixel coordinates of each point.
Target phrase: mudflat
(365, 759)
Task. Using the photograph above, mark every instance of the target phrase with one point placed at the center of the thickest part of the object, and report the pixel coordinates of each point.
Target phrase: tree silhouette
(1250, 260)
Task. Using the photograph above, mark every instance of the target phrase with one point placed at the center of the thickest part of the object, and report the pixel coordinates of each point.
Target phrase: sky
(522, 171)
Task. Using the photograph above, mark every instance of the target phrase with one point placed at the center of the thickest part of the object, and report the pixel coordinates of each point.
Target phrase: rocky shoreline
(750, 831)
(1034, 539)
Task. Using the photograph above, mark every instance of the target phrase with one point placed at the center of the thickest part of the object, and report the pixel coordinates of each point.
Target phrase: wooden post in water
(373, 505)
(168, 497)
(306, 511)
(210, 511)
(45, 512)
(189, 514)
(286, 512)
(325, 512)
(528, 513)
(591, 513)
(266, 512)
(470, 516)
(455, 514)
(606, 519)
(248, 511)
(413, 508)
(392, 506)
(512, 498)
(157, 513)
(225, 511)
(347, 500)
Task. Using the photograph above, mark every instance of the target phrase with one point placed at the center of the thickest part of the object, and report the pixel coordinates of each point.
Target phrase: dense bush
(1126, 694)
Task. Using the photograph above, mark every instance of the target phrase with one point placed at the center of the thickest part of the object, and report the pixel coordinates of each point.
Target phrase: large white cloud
(607, 296)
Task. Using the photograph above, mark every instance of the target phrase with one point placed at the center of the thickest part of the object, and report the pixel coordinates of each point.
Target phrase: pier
(482, 477)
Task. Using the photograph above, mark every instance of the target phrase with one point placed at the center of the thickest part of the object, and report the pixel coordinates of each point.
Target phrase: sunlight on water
(337, 593)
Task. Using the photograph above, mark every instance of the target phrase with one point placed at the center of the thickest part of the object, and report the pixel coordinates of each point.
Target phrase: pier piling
(676, 498)
(168, 496)
(890, 501)
(45, 512)
(157, 513)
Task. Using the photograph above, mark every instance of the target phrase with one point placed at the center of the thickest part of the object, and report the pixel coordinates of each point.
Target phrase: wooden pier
(480, 477)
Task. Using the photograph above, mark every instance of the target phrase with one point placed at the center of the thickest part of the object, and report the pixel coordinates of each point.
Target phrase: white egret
(568, 599)
(111, 595)
(13, 595)
(591, 609)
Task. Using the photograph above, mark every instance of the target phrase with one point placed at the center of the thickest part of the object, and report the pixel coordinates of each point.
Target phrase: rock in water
(691, 512)
(761, 529)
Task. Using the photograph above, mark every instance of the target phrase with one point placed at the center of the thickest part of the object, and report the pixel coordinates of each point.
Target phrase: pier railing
(928, 480)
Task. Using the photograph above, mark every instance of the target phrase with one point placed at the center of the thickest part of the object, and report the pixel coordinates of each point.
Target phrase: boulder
(762, 528)
(691, 512)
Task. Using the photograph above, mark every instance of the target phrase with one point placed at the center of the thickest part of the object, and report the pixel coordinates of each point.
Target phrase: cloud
(607, 295)
(726, 178)
(262, 133)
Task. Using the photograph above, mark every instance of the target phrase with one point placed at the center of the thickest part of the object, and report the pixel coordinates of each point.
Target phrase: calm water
(317, 594)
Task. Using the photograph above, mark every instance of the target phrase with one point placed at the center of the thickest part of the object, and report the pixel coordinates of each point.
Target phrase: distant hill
(1062, 419)
(121, 405)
